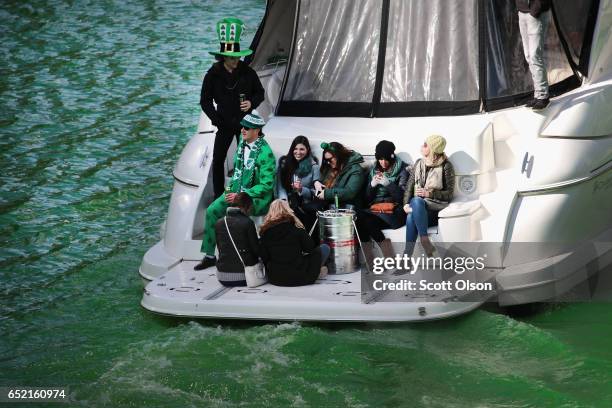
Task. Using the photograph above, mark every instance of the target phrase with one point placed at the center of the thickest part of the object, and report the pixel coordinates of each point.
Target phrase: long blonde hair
(279, 210)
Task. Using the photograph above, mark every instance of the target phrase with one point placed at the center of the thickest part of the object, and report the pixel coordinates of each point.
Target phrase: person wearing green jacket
(342, 176)
(254, 170)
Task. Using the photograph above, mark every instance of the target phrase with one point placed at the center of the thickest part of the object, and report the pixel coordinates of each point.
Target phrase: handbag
(382, 208)
(254, 274)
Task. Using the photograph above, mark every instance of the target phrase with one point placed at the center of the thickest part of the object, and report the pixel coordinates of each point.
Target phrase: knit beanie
(385, 150)
(436, 143)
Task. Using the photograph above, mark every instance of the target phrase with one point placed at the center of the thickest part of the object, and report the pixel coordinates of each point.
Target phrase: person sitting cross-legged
(254, 169)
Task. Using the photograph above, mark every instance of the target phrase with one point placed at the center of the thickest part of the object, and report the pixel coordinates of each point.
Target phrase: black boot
(206, 263)
(540, 104)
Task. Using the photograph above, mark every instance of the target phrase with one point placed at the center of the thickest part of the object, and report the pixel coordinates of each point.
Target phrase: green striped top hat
(229, 31)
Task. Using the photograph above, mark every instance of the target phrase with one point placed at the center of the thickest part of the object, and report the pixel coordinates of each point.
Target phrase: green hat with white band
(229, 31)
(252, 121)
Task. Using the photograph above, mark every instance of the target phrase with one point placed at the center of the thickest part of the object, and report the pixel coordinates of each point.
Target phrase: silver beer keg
(336, 230)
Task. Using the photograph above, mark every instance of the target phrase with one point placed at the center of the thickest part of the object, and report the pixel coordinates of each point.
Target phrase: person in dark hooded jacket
(230, 270)
(235, 88)
(290, 256)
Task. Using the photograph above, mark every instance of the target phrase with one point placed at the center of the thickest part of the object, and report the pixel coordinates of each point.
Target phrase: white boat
(359, 71)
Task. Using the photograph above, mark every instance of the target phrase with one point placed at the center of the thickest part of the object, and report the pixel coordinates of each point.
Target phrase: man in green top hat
(254, 170)
(234, 87)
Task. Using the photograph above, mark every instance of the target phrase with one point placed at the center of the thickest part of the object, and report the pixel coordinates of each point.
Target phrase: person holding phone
(384, 195)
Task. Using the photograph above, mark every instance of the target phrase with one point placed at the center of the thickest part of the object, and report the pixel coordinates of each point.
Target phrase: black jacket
(245, 236)
(533, 7)
(289, 255)
(224, 89)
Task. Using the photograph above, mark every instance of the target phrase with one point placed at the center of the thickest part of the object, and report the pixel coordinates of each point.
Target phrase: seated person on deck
(341, 177)
(383, 198)
(289, 254)
(243, 238)
(254, 168)
(428, 190)
(297, 172)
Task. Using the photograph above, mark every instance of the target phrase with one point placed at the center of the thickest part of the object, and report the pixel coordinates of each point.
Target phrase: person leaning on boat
(297, 172)
(428, 190)
(254, 169)
(290, 256)
(235, 88)
(230, 269)
(341, 176)
(384, 194)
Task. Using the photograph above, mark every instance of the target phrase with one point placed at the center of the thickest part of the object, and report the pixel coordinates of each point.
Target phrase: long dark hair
(341, 153)
(289, 164)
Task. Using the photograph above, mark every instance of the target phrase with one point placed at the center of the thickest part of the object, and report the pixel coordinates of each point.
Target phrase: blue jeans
(324, 248)
(417, 222)
(533, 33)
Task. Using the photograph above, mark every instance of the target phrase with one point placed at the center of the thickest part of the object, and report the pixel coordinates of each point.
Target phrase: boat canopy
(397, 58)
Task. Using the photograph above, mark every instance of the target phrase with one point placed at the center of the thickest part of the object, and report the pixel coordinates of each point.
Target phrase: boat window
(438, 57)
(432, 51)
(507, 71)
(335, 51)
(273, 43)
(576, 21)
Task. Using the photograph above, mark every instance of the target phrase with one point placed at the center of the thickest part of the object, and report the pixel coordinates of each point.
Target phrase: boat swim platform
(183, 292)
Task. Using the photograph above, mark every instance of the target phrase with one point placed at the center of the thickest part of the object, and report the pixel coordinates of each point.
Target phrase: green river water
(98, 99)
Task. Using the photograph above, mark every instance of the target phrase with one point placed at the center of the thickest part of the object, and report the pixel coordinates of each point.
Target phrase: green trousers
(216, 211)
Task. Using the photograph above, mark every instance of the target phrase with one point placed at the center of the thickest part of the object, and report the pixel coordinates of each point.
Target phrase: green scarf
(244, 170)
(392, 175)
(304, 167)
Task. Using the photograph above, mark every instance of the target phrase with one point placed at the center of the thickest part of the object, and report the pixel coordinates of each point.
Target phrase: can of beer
(242, 97)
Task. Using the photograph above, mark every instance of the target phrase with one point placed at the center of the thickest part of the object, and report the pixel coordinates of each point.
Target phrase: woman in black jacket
(230, 270)
(289, 254)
